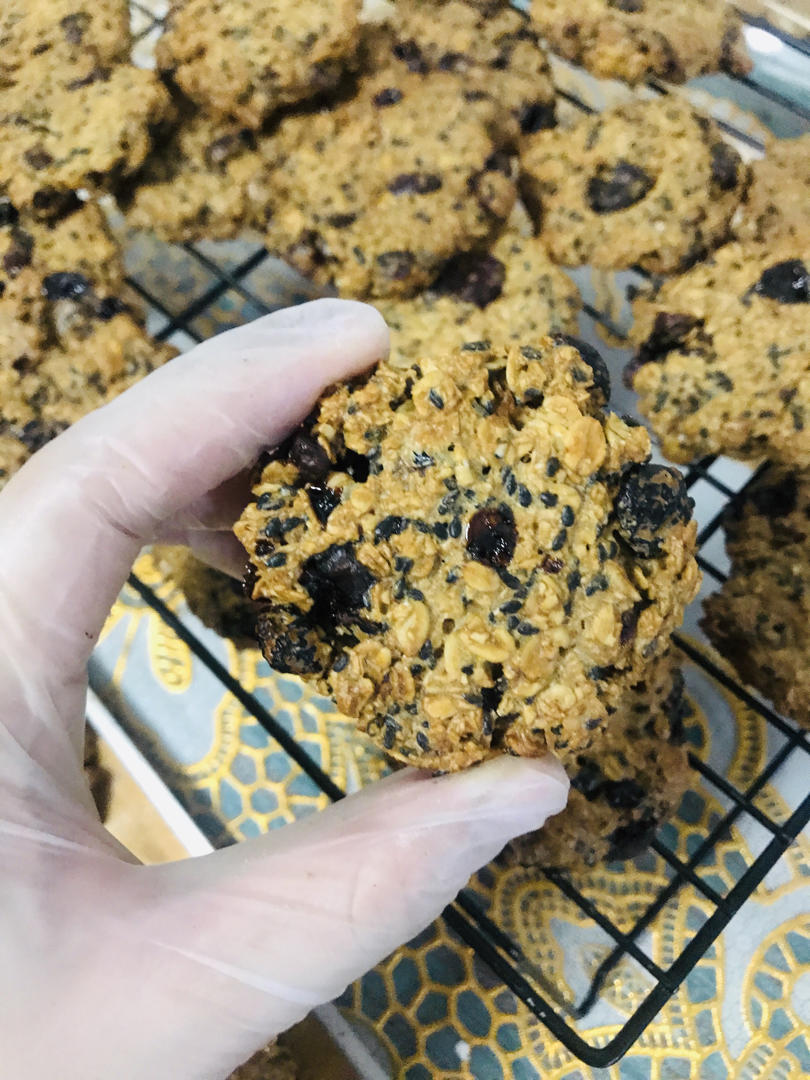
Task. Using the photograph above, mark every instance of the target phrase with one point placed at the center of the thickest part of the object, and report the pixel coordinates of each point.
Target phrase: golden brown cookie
(651, 183)
(241, 59)
(778, 200)
(70, 336)
(723, 360)
(68, 124)
(626, 785)
(69, 28)
(636, 40)
(417, 183)
(512, 293)
(488, 44)
(760, 618)
(204, 181)
(469, 553)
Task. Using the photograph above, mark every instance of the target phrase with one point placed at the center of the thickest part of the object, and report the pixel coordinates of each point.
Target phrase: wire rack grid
(467, 916)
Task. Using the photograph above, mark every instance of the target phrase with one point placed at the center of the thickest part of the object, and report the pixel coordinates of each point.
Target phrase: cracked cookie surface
(242, 59)
(778, 201)
(469, 554)
(651, 183)
(760, 619)
(512, 293)
(490, 44)
(626, 785)
(636, 40)
(723, 360)
(70, 336)
(418, 182)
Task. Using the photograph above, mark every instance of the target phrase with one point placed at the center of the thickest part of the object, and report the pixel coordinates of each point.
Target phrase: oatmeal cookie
(651, 183)
(636, 40)
(723, 360)
(778, 200)
(626, 785)
(469, 553)
(512, 293)
(68, 125)
(760, 618)
(205, 181)
(218, 601)
(490, 44)
(418, 183)
(70, 337)
(64, 27)
(272, 1063)
(241, 59)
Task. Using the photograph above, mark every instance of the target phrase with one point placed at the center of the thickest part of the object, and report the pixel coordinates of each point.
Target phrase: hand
(109, 968)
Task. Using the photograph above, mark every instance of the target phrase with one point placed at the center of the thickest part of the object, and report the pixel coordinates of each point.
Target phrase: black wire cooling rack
(466, 916)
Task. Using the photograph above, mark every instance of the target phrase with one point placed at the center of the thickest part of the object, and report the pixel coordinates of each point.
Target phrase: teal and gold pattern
(433, 1010)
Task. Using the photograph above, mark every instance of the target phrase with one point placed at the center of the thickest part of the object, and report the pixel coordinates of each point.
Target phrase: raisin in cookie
(242, 59)
(512, 293)
(636, 40)
(70, 337)
(218, 601)
(626, 785)
(470, 554)
(489, 44)
(760, 618)
(417, 183)
(778, 200)
(723, 360)
(67, 125)
(64, 27)
(205, 181)
(650, 183)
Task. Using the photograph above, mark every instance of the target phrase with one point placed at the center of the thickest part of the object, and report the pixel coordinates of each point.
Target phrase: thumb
(215, 955)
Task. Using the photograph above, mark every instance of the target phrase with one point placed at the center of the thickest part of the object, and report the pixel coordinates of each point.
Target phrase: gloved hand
(112, 969)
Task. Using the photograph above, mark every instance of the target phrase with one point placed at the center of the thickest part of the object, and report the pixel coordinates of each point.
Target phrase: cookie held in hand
(469, 553)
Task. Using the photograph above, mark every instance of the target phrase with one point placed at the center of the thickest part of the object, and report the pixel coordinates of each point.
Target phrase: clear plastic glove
(113, 969)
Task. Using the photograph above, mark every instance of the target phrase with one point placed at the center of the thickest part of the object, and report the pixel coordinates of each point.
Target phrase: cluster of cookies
(75, 116)
(465, 548)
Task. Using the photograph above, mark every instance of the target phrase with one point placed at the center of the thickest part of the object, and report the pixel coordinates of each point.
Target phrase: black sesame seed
(341, 662)
(435, 398)
(423, 741)
(548, 498)
(567, 516)
(574, 580)
(559, 540)
(421, 459)
(279, 559)
(511, 606)
(552, 466)
(596, 584)
(390, 526)
(454, 527)
(526, 629)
